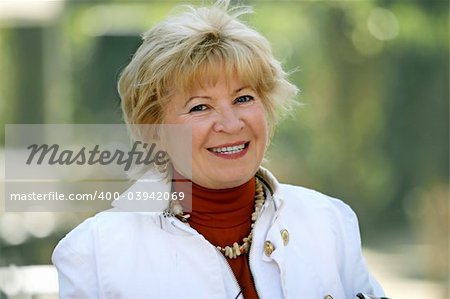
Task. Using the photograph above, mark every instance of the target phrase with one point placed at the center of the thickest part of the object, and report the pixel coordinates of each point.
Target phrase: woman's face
(229, 131)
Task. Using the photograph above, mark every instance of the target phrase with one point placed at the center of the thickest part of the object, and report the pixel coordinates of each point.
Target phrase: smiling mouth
(229, 150)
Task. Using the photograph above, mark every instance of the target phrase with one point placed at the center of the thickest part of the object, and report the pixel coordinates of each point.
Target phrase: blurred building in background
(373, 127)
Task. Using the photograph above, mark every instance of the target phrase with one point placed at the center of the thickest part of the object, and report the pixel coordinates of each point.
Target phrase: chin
(231, 182)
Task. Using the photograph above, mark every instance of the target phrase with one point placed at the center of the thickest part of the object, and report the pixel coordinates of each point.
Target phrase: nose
(228, 121)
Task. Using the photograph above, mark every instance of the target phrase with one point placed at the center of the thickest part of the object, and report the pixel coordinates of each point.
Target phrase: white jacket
(136, 255)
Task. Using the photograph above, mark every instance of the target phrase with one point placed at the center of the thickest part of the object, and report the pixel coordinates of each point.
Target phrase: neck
(216, 207)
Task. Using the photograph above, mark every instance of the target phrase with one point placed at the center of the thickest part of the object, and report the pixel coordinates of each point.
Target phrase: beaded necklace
(233, 251)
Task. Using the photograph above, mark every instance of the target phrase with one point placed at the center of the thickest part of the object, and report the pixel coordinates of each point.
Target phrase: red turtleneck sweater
(224, 217)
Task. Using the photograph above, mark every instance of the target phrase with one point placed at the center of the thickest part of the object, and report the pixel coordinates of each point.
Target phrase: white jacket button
(268, 248)
(285, 236)
(328, 297)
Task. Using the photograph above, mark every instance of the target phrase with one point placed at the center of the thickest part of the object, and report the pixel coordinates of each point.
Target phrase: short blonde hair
(184, 49)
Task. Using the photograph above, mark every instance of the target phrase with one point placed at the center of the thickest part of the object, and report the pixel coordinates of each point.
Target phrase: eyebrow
(209, 98)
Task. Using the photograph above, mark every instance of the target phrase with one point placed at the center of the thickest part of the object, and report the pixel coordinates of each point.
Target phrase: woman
(247, 235)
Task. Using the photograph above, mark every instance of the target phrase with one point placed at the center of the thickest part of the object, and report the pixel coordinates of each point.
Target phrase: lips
(231, 149)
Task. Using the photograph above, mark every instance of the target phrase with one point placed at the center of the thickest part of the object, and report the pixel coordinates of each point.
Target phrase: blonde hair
(201, 42)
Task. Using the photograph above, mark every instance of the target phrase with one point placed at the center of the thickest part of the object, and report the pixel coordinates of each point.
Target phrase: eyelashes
(198, 108)
(244, 99)
(238, 101)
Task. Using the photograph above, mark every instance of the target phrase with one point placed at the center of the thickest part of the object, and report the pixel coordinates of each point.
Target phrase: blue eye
(244, 99)
(198, 108)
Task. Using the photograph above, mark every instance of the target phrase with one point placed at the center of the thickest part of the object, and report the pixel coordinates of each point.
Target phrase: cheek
(260, 123)
(264, 136)
(259, 127)
(200, 134)
(196, 141)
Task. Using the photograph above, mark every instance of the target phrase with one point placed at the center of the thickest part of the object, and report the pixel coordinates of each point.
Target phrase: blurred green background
(373, 127)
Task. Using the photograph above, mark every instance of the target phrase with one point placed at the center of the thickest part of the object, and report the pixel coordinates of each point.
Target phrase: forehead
(221, 84)
(211, 77)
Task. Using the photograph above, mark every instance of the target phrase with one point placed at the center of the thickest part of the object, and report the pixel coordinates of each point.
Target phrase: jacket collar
(272, 185)
(148, 187)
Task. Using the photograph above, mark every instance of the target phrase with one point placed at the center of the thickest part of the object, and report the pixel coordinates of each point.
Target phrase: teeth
(229, 149)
